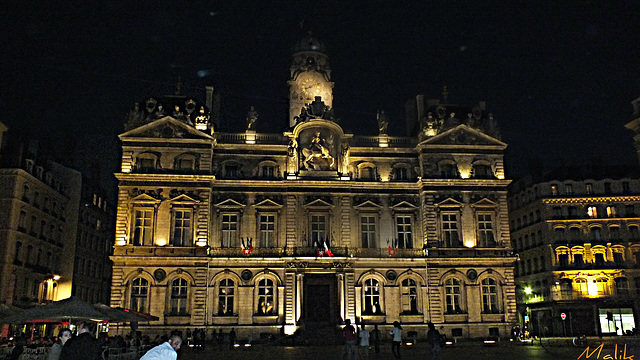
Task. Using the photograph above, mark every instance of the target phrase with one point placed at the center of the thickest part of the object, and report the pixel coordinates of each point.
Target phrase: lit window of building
(450, 230)
(265, 298)
(178, 305)
(139, 293)
(142, 227)
(404, 231)
(453, 296)
(267, 225)
(588, 187)
(485, 231)
(554, 190)
(592, 211)
(229, 230)
(490, 296)
(368, 231)
(226, 296)
(371, 298)
(409, 296)
(181, 234)
(568, 189)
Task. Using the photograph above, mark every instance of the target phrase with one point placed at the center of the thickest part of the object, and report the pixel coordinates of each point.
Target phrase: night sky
(559, 76)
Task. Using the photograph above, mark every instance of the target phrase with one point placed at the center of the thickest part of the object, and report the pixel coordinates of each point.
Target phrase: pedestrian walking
(435, 340)
(232, 338)
(364, 342)
(375, 338)
(396, 333)
(165, 351)
(349, 333)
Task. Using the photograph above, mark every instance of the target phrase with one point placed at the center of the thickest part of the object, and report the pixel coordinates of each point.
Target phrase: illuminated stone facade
(575, 230)
(222, 230)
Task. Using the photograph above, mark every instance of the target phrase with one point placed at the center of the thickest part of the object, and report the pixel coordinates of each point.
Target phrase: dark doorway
(320, 306)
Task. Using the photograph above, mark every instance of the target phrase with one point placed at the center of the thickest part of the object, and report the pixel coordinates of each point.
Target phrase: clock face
(311, 87)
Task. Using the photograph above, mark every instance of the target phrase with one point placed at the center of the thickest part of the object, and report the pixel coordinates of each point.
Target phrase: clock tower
(310, 76)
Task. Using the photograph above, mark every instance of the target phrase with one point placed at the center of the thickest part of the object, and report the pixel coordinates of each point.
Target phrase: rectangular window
(618, 258)
(368, 231)
(318, 230)
(629, 211)
(226, 294)
(229, 230)
(142, 227)
(181, 234)
(592, 211)
(485, 231)
(568, 189)
(589, 189)
(178, 304)
(578, 259)
(403, 231)
(450, 230)
(554, 190)
(267, 230)
(625, 187)
(611, 211)
(268, 171)
(607, 188)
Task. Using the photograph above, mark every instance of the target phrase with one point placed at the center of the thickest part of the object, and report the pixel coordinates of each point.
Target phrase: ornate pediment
(368, 205)
(463, 135)
(229, 204)
(449, 202)
(484, 202)
(184, 199)
(404, 205)
(268, 204)
(142, 195)
(144, 198)
(166, 128)
(318, 203)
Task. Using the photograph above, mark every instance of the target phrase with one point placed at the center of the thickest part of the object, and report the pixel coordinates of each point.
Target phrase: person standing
(232, 338)
(396, 333)
(434, 338)
(349, 333)
(85, 346)
(165, 351)
(375, 338)
(364, 342)
(63, 335)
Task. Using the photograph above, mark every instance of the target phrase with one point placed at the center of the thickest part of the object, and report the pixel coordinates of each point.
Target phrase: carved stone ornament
(294, 265)
(246, 275)
(391, 275)
(159, 274)
(472, 274)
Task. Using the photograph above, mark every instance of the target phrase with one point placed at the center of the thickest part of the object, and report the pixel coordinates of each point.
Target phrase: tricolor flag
(247, 247)
(393, 246)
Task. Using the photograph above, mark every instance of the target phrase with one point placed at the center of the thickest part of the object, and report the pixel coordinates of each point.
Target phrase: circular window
(159, 274)
(246, 275)
(391, 275)
(472, 274)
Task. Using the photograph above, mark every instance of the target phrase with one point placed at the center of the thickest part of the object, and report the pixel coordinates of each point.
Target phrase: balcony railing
(306, 251)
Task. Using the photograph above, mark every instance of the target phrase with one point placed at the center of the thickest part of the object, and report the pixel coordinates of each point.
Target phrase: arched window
(226, 296)
(179, 289)
(453, 296)
(266, 296)
(401, 173)
(409, 297)
(371, 297)
(581, 287)
(139, 293)
(490, 296)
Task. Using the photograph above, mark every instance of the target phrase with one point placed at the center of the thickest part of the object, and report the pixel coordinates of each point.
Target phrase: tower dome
(309, 43)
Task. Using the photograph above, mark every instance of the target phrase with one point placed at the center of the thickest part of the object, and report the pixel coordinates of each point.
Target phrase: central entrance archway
(320, 305)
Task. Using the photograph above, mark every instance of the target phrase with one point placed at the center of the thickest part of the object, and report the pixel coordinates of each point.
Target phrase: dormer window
(185, 162)
(482, 171)
(146, 162)
(268, 171)
(401, 174)
(449, 170)
(231, 170)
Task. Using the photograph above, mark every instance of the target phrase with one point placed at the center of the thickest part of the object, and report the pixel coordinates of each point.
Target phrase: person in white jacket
(165, 351)
(397, 339)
